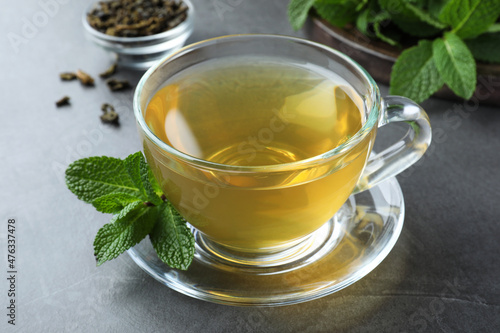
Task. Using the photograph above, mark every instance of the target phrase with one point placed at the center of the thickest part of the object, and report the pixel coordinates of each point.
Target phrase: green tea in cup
(258, 111)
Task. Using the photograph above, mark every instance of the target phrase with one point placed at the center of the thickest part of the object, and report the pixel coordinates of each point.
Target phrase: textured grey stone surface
(442, 275)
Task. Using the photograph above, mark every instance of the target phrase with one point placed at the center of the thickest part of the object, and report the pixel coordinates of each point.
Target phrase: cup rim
(371, 120)
(162, 35)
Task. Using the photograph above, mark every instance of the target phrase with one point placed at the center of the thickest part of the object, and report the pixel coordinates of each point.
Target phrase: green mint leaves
(410, 18)
(469, 18)
(337, 12)
(128, 190)
(415, 74)
(172, 239)
(297, 12)
(455, 64)
(94, 177)
(140, 174)
(486, 47)
(127, 228)
(443, 38)
(421, 70)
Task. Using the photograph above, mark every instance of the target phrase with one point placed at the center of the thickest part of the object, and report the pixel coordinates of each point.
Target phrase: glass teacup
(274, 214)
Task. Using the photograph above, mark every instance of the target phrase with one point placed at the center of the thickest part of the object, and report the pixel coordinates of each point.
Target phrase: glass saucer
(358, 238)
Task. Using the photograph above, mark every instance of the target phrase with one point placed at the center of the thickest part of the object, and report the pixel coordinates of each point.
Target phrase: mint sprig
(443, 38)
(128, 190)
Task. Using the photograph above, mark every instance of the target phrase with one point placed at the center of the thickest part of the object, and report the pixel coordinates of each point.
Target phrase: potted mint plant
(428, 46)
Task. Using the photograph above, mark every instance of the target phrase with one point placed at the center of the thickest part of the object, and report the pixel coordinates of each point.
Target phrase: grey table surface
(443, 275)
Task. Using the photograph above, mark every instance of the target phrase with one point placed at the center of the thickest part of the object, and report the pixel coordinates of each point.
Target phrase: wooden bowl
(378, 58)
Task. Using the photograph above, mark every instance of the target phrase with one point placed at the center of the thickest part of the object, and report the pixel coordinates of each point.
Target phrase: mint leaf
(93, 177)
(113, 202)
(362, 22)
(423, 15)
(337, 12)
(410, 18)
(485, 47)
(361, 4)
(375, 17)
(125, 230)
(172, 239)
(377, 21)
(455, 64)
(154, 183)
(435, 7)
(140, 173)
(414, 74)
(297, 12)
(470, 18)
(494, 28)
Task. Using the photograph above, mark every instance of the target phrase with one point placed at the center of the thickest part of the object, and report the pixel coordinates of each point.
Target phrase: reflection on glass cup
(258, 140)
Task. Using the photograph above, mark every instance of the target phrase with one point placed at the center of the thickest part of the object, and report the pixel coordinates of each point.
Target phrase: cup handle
(403, 153)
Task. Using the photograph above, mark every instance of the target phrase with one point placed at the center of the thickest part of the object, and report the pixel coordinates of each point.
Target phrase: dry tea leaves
(136, 18)
(84, 78)
(118, 85)
(63, 101)
(67, 76)
(110, 71)
(109, 116)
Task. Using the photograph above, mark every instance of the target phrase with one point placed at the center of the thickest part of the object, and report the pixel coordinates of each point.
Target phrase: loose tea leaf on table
(84, 78)
(108, 72)
(67, 76)
(109, 116)
(63, 101)
(118, 85)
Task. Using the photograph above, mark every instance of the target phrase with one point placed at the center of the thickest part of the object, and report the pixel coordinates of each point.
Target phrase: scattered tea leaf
(63, 101)
(67, 76)
(84, 78)
(109, 116)
(118, 85)
(108, 72)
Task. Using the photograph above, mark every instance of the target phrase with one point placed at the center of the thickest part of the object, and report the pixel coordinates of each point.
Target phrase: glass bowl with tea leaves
(139, 32)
